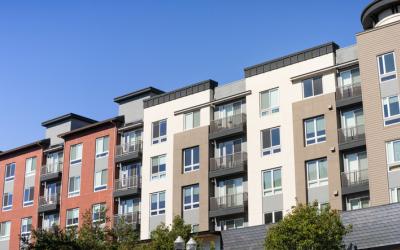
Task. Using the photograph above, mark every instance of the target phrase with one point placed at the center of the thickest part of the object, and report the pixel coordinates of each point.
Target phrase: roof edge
(66, 117)
(40, 143)
(137, 93)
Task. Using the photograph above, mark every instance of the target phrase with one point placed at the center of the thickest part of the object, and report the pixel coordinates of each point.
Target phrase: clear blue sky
(58, 57)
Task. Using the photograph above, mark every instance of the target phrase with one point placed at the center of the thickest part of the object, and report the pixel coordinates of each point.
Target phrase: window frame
(159, 175)
(73, 211)
(7, 230)
(28, 226)
(272, 190)
(312, 87)
(10, 204)
(272, 149)
(100, 210)
(272, 109)
(386, 74)
(158, 210)
(75, 192)
(192, 166)
(31, 192)
(33, 162)
(319, 181)
(10, 167)
(397, 191)
(100, 187)
(234, 220)
(160, 138)
(192, 204)
(390, 119)
(360, 198)
(392, 164)
(192, 114)
(316, 136)
(105, 142)
(76, 161)
(273, 216)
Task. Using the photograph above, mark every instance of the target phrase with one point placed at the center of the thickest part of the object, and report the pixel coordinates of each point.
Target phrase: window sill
(308, 145)
(99, 156)
(100, 188)
(71, 195)
(28, 205)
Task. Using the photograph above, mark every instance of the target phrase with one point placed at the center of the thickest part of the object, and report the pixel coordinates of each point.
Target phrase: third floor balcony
(229, 125)
(51, 171)
(228, 205)
(354, 181)
(228, 164)
(351, 137)
(348, 94)
(127, 186)
(129, 151)
(49, 203)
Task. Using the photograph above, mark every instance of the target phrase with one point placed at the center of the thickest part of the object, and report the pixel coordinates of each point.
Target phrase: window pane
(196, 119)
(277, 178)
(320, 126)
(188, 195)
(278, 216)
(275, 137)
(317, 85)
(154, 201)
(163, 128)
(396, 151)
(264, 100)
(196, 153)
(307, 88)
(99, 145)
(268, 218)
(162, 199)
(267, 180)
(389, 63)
(323, 171)
(156, 129)
(274, 97)
(355, 73)
(266, 138)
(188, 121)
(381, 69)
(394, 105)
(196, 193)
(188, 157)
(312, 171)
(310, 129)
(73, 153)
(105, 143)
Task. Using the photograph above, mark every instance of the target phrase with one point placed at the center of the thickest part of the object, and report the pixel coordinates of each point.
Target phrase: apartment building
(320, 125)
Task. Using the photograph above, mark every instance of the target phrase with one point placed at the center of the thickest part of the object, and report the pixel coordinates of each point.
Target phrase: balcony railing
(128, 218)
(351, 134)
(127, 183)
(235, 160)
(348, 91)
(51, 168)
(229, 201)
(128, 148)
(354, 178)
(49, 200)
(229, 122)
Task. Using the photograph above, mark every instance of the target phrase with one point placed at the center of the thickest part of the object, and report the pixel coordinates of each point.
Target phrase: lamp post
(191, 244)
(179, 244)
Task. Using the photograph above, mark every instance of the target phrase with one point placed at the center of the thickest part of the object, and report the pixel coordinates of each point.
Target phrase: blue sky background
(58, 57)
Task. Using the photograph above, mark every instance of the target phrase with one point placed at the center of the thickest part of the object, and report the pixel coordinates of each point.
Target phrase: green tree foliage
(307, 228)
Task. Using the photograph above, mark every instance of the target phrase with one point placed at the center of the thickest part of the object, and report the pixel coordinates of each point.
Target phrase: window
(312, 87)
(30, 166)
(191, 197)
(323, 206)
(273, 217)
(269, 102)
(10, 171)
(315, 130)
(50, 220)
(7, 201)
(158, 167)
(192, 120)
(191, 159)
(26, 226)
(271, 141)
(157, 203)
(387, 67)
(76, 154)
(272, 181)
(72, 217)
(5, 230)
(159, 131)
(317, 173)
(233, 224)
(74, 187)
(100, 180)
(395, 195)
(350, 78)
(393, 155)
(358, 203)
(28, 196)
(99, 213)
(102, 147)
(391, 110)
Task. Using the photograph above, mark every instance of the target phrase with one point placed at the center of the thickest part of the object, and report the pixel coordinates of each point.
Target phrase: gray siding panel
(9, 187)
(75, 170)
(5, 244)
(321, 194)
(230, 89)
(390, 88)
(347, 54)
(29, 181)
(101, 163)
(191, 216)
(272, 203)
(53, 132)
(155, 221)
(394, 179)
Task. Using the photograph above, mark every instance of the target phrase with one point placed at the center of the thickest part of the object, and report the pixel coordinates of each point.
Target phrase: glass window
(191, 197)
(191, 160)
(312, 87)
(395, 195)
(391, 110)
(10, 171)
(26, 227)
(358, 203)
(233, 224)
(317, 172)
(30, 166)
(7, 201)
(269, 102)
(28, 196)
(76, 154)
(72, 217)
(99, 212)
(100, 180)
(157, 203)
(74, 187)
(192, 120)
(350, 77)
(273, 217)
(102, 146)
(159, 132)
(5, 230)
(158, 167)
(393, 154)
(315, 130)
(50, 220)
(387, 67)
(272, 181)
(271, 141)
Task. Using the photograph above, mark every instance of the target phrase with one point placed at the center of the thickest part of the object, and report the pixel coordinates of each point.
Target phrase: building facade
(319, 125)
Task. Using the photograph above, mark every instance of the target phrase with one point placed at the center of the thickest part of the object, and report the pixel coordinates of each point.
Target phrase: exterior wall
(371, 44)
(132, 110)
(52, 132)
(230, 89)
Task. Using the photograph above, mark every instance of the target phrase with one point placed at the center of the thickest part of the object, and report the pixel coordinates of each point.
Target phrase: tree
(53, 239)
(306, 227)
(124, 235)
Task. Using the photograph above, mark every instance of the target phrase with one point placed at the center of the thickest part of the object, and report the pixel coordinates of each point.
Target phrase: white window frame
(74, 192)
(26, 227)
(160, 138)
(105, 143)
(5, 226)
(273, 216)
(192, 115)
(99, 209)
(29, 163)
(392, 164)
(159, 175)
(193, 166)
(272, 109)
(273, 190)
(316, 137)
(348, 202)
(386, 74)
(8, 207)
(385, 101)
(313, 89)
(11, 177)
(75, 214)
(29, 202)
(158, 210)
(224, 227)
(49, 220)
(100, 186)
(319, 181)
(394, 198)
(191, 205)
(273, 149)
(78, 160)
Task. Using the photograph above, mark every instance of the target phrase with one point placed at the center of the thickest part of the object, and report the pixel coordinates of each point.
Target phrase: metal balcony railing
(229, 201)
(128, 148)
(49, 200)
(351, 134)
(229, 122)
(51, 168)
(353, 178)
(128, 218)
(235, 160)
(348, 91)
(127, 183)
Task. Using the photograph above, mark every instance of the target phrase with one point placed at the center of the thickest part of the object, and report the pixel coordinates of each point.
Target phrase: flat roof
(66, 117)
(137, 93)
(37, 144)
(119, 119)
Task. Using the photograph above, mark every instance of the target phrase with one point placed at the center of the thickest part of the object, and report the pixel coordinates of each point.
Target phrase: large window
(232, 224)
(76, 154)
(191, 197)
(26, 227)
(387, 67)
(99, 213)
(272, 181)
(30, 166)
(358, 203)
(271, 141)
(273, 217)
(191, 120)
(28, 196)
(315, 130)
(74, 187)
(391, 110)
(350, 78)
(395, 195)
(158, 167)
(100, 180)
(317, 172)
(269, 102)
(72, 217)
(159, 132)
(191, 159)
(393, 155)
(102, 146)
(312, 87)
(157, 203)
(5, 230)
(50, 220)
(7, 201)
(10, 172)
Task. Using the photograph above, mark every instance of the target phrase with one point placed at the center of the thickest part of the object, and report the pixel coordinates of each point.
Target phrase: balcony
(49, 203)
(231, 125)
(128, 218)
(127, 186)
(350, 94)
(355, 181)
(228, 165)
(51, 171)
(351, 137)
(228, 205)
(129, 151)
